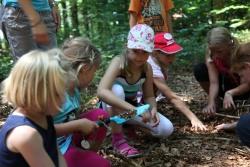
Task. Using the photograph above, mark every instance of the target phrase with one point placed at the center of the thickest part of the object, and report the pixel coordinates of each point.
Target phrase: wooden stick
(228, 116)
(204, 138)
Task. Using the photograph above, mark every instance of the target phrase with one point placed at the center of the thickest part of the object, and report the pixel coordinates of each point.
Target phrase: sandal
(121, 147)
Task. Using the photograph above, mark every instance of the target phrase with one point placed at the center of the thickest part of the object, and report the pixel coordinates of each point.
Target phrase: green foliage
(5, 65)
(243, 35)
(234, 16)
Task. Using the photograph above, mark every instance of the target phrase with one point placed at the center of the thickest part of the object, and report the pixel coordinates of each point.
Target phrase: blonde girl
(241, 65)
(35, 88)
(80, 136)
(215, 76)
(125, 76)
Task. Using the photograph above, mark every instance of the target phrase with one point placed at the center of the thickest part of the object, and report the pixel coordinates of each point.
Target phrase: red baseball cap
(166, 43)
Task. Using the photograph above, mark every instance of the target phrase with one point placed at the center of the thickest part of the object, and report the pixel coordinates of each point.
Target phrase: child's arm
(62, 162)
(55, 13)
(213, 88)
(228, 98)
(226, 127)
(169, 23)
(132, 19)
(148, 95)
(104, 91)
(178, 104)
(39, 29)
(134, 8)
(30, 145)
(83, 125)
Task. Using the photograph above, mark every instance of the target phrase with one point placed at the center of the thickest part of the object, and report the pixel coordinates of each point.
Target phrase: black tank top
(11, 159)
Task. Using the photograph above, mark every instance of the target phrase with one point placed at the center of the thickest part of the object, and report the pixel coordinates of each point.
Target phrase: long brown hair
(242, 56)
(221, 35)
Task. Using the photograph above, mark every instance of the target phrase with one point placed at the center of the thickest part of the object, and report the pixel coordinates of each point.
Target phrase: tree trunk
(74, 17)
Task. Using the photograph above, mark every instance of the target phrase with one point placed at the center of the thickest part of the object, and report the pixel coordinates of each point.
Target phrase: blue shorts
(243, 129)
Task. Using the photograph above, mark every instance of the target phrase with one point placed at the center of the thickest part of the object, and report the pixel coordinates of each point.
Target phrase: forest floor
(184, 148)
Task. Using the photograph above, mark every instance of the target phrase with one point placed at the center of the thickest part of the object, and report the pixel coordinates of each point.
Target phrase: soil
(185, 147)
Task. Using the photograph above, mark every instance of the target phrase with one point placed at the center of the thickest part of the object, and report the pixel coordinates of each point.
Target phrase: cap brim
(140, 47)
(172, 49)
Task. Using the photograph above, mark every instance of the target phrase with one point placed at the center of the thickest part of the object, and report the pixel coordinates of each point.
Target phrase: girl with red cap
(163, 55)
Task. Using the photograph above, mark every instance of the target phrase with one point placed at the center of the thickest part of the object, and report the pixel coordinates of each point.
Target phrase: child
(241, 65)
(215, 76)
(76, 134)
(125, 76)
(35, 88)
(154, 13)
(163, 55)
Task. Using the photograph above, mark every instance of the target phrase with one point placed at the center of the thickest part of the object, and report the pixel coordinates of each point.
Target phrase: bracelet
(37, 23)
(228, 93)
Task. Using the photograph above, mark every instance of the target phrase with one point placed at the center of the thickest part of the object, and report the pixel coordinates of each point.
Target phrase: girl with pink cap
(124, 78)
(163, 55)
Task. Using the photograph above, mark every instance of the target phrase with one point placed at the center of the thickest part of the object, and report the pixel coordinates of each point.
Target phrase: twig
(204, 138)
(151, 147)
(228, 116)
(243, 152)
(129, 161)
(153, 163)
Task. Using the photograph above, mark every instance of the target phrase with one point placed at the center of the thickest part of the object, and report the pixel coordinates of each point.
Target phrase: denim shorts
(243, 129)
(17, 30)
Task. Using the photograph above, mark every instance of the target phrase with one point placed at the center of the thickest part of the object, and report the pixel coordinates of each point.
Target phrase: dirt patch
(185, 147)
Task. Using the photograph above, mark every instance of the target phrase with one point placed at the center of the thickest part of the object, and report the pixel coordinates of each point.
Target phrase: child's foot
(121, 146)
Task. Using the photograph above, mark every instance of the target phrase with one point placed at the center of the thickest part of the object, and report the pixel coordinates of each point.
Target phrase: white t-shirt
(157, 73)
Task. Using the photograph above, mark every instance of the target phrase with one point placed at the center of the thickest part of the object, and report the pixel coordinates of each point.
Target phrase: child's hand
(210, 109)
(228, 101)
(40, 33)
(198, 125)
(221, 127)
(226, 127)
(86, 126)
(155, 118)
(146, 116)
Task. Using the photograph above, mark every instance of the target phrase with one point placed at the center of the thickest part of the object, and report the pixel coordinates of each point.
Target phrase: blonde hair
(242, 56)
(37, 79)
(221, 35)
(80, 51)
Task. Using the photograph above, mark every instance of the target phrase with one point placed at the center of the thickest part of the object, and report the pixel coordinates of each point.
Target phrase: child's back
(35, 88)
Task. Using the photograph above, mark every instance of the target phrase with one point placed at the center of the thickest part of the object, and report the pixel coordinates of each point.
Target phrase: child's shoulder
(116, 59)
(28, 133)
(116, 62)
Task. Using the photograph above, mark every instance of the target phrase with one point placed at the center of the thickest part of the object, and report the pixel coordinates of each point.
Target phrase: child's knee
(118, 91)
(167, 131)
(164, 131)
